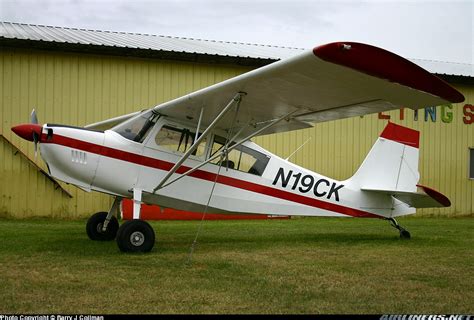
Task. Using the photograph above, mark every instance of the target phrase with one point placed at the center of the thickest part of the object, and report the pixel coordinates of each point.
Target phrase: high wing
(109, 123)
(333, 81)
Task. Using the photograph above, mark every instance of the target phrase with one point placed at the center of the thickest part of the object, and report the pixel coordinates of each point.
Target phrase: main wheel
(94, 227)
(135, 236)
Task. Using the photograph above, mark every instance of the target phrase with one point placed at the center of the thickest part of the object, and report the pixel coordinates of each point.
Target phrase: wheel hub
(99, 227)
(137, 238)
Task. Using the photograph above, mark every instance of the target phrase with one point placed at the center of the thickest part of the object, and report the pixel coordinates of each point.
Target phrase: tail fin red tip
(401, 134)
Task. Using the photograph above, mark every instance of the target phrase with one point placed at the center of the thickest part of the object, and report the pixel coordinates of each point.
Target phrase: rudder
(392, 163)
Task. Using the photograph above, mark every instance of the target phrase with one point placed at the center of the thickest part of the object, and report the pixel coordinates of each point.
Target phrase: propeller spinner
(31, 131)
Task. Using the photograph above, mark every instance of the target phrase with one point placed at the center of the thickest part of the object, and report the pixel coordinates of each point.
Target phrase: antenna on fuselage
(307, 140)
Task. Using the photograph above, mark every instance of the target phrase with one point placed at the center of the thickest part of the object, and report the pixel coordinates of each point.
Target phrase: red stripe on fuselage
(205, 175)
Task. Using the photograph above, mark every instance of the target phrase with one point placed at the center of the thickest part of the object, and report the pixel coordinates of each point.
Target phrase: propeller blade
(35, 140)
(33, 117)
(34, 120)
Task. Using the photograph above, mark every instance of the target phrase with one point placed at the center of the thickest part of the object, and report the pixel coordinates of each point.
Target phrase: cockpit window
(241, 158)
(137, 128)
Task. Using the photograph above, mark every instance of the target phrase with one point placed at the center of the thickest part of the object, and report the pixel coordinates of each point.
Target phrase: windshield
(137, 128)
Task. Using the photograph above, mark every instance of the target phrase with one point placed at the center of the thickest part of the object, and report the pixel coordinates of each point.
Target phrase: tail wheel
(94, 227)
(135, 236)
(404, 234)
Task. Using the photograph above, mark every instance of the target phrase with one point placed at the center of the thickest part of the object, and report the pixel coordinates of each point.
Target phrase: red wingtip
(401, 134)
(384, 64)
(26, 130)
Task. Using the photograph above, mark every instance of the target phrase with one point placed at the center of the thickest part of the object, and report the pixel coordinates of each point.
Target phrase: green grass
(292, 266)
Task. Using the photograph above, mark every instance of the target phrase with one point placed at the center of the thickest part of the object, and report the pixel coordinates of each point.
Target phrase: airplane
(195, 152)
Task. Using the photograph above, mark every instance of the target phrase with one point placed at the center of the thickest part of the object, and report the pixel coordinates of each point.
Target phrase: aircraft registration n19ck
(195, 152)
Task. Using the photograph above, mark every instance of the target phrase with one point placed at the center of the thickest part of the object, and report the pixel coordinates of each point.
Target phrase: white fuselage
(110, 163)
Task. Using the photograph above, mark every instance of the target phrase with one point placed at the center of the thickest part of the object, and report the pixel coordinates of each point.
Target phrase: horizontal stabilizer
(424, 197)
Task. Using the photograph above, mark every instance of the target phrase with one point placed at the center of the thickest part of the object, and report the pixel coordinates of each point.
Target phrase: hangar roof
(174, 47)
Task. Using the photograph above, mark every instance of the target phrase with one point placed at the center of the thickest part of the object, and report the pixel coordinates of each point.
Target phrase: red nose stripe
(26, 130)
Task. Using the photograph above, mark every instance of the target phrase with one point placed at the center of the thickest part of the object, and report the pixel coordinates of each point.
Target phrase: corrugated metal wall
(79, 89)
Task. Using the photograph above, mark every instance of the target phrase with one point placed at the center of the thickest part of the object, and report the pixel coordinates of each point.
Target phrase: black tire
(135, 236)
(94, 227)
(405, 234)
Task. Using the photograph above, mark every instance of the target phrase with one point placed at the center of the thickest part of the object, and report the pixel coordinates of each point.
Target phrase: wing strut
(196, 136)
(225, 151)
(235, 100)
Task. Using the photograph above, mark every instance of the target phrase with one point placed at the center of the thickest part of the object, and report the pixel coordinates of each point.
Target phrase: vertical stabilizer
(392, 163)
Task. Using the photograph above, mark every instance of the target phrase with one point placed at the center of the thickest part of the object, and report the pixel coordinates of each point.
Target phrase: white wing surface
(333, 81)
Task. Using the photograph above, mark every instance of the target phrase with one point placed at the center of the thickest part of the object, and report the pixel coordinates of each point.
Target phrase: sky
(431, 30)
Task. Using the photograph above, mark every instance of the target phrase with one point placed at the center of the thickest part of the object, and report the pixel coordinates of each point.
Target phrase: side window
(168, 138)
(178, 139)
(241, 158)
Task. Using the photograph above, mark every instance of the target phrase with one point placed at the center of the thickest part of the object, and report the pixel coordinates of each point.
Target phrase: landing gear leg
(113, 212)
(404, 234)
(136, 235)
(103, 226)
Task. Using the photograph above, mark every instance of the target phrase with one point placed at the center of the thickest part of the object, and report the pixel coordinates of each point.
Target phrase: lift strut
(236, 99)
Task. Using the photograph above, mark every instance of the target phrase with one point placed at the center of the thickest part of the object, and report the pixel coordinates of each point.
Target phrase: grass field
(280, 266)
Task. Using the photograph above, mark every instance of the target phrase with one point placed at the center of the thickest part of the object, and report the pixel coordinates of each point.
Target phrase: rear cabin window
(241, 158)
(178, 140)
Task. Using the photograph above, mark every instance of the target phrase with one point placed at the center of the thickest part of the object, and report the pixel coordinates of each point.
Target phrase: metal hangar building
(77, 77)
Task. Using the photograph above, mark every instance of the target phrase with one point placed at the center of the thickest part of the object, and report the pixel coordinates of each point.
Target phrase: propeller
(31, 131)
(34, 120)
(34, 117)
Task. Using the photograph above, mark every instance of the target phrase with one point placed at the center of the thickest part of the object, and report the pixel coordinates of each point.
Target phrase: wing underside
(333, 81)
